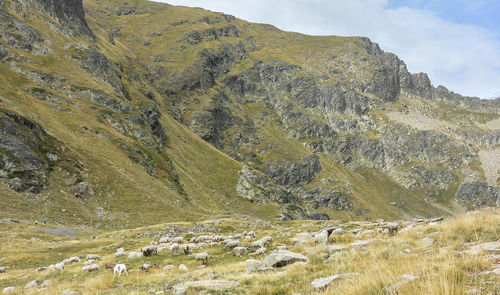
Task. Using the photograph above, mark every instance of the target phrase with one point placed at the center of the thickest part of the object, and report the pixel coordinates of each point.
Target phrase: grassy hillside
(147, 111)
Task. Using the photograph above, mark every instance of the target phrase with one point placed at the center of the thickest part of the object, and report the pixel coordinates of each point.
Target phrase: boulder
(182, 267)
(490, 247)
(168, 267)
(257, 266)
(31, 285)
(181, 288)
(280, 258)
(303, 238)
(326, 281)
(361, 243)
(46, 283)
(335, 248)
(404, 280)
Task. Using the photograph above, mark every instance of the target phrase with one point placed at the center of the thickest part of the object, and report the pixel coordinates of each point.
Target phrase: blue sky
(457, 43)
(483, 13)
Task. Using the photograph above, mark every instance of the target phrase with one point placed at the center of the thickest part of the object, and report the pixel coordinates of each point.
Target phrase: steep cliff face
(194, 113)
(68, 13)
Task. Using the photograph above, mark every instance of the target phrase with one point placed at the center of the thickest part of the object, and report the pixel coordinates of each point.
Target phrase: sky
(456, 42)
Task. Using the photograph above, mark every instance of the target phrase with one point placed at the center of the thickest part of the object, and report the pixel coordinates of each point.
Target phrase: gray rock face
(478, 194)
(19, 35)
(257, 187)
(69, 13)
(293, 175)
(97, 65)
(323, 198)
(208, 65)
(22, 163)
(212, 34)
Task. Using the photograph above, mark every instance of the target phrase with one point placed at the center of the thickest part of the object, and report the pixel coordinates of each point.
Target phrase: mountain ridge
(314, 127)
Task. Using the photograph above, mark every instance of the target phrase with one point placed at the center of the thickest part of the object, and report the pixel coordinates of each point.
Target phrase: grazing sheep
(41, 268)
(149, 250)
(93, 257)
(203, 257)
(256, 244)
(147, 267)
(391, 227)
(59, 266)
(120, 252)
(267, 239)
(188, 248)
(230, 243)
(2, 269)
(260, 251)
(133, 254)
(321, 238)
(174, 247)
(119, 268)
(71, 260)
(178, 240)
(91, 268)
(88, 262)
(8, 290)
(165, 240)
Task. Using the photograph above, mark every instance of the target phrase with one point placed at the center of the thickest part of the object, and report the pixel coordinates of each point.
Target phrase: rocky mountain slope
(121, 113)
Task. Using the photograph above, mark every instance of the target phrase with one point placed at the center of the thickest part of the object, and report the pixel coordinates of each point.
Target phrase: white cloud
(464, 58)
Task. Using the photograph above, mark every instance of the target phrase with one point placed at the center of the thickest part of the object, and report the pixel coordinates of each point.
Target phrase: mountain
(125, 113)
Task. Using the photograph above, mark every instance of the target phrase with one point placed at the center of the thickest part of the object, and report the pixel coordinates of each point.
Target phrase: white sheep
(71, 260)
(178, 240)
(59, 266)
(119, 268)
(174, 247)
(321, 238)
(93, 257)
(203, 257)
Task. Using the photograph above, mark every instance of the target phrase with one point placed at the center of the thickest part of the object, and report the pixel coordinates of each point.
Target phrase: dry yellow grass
(443, 267)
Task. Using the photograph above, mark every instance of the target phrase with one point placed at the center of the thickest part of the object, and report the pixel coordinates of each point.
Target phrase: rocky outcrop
(98, 66)
(478, 194)
(257, 187)
(294, 175)
(19, 35)
(69, 14)
(324, 198)
(23, 165)
(209, 64)
(29, 154)
(196, 37)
